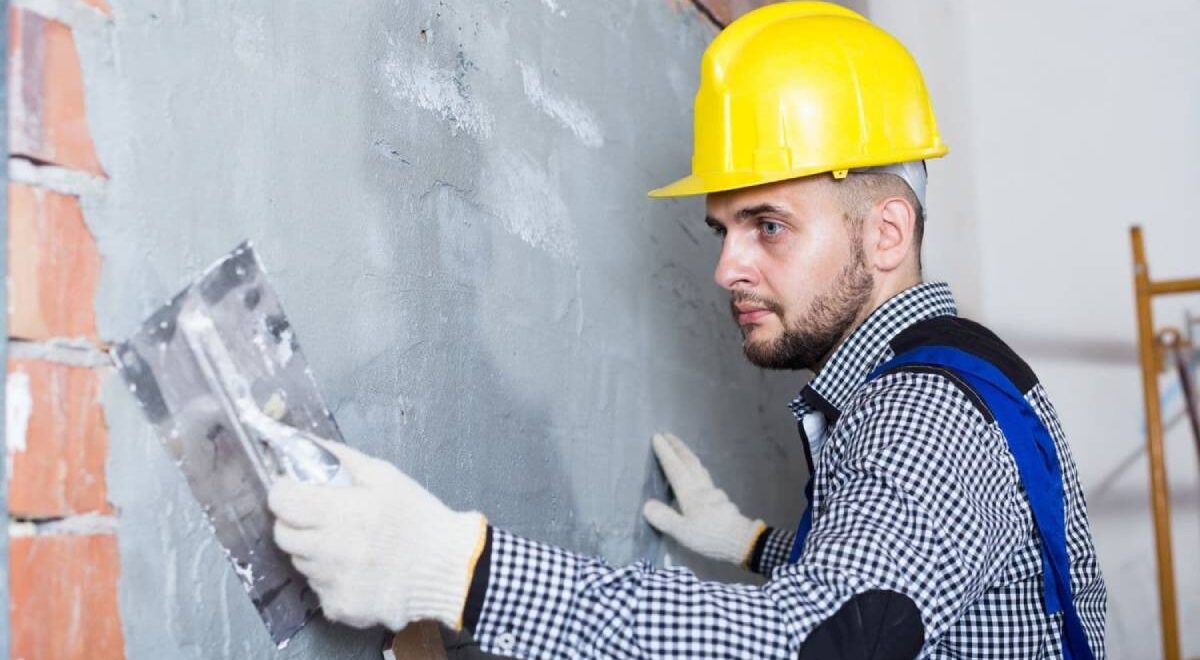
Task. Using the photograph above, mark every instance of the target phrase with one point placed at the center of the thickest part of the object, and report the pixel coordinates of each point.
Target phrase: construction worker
(944, 517)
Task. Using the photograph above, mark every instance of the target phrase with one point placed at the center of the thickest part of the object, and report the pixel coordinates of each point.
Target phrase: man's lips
(748, 315)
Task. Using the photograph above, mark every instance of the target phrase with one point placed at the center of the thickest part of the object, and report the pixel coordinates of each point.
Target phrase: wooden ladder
(1152, 363)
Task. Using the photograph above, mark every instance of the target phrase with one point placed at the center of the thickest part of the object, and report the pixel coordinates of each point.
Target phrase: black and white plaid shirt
(915, 491)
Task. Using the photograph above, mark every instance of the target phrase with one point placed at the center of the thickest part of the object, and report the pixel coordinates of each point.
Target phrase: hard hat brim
(703, 183)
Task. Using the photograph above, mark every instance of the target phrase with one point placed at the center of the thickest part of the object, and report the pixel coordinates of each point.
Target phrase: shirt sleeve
(1087, 582)
(894, 514)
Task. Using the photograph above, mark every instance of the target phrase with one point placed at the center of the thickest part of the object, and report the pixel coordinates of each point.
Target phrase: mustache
(745, 297)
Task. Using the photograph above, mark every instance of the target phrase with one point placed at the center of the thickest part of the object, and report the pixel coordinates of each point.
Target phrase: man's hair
(860, 191)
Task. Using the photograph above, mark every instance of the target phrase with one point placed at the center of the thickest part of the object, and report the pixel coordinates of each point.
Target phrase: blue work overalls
(1032, 447)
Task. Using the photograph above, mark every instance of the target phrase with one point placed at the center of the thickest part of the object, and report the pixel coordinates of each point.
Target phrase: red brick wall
(63, 560)
(726, 11)
(720, 12)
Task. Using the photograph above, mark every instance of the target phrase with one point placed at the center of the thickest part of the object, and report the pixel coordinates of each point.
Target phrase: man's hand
(710, 524)
(383, 551)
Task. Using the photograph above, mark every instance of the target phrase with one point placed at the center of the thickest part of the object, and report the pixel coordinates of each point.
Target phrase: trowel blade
(227, 475)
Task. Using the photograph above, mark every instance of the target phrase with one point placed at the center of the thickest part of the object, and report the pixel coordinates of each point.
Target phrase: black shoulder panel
(969, 337)
(874, 625)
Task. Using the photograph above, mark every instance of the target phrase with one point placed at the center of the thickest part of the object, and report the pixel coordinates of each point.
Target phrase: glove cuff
(758, 528)
(440, 581)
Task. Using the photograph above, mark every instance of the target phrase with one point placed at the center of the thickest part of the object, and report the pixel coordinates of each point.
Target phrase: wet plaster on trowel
(450, 200)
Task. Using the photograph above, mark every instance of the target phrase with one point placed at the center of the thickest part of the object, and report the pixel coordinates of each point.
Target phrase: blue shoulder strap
(1038, 467)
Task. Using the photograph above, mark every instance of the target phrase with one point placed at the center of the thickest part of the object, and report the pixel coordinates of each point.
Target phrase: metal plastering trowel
(219, 373)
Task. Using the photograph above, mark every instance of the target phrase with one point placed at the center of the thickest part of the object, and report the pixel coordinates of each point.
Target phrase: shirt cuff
(479, 584)
(771, 550)
(526, 603)
(756, 550)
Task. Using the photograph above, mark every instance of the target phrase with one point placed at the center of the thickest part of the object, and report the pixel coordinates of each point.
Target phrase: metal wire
(1179, 349)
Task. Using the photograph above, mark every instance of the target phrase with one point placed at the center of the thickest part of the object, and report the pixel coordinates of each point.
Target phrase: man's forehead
(787, 197)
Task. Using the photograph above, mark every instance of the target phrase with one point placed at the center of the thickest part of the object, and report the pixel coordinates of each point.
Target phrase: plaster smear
(552, 5)
(566, 111)
(526, 200)
(437, 90)
(83, 525)
(249, 39)
(18, 406)
(58, 179)
(246, 573)
(72, 352)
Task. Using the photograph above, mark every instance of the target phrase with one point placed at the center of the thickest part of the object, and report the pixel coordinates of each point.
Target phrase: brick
(60, 471)
(726, 11)
(54, 264)
(47, 118)
(100, 5)
(63, 592)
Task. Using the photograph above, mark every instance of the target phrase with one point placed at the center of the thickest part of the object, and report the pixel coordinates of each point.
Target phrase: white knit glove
(383, 551)
(710, 524)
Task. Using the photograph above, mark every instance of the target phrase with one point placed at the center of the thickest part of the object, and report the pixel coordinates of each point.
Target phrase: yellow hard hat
(799, 88)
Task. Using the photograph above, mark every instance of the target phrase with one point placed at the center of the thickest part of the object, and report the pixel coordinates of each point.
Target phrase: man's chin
(762, 353)
(768, 351)
(764, 358)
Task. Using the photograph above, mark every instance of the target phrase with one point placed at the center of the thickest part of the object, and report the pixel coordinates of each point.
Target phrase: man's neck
(884, 291)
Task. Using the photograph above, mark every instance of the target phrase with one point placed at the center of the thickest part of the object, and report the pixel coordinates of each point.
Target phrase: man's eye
(717, 231)
(771, 228)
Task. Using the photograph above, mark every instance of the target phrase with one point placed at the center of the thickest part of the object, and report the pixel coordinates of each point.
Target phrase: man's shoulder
(969, 337)
(929, 401)
(923, 387)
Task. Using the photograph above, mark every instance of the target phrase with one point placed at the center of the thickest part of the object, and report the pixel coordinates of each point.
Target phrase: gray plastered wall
(450, 201)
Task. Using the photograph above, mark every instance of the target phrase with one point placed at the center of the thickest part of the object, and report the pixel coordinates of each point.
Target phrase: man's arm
(901, 545)
(917, 512)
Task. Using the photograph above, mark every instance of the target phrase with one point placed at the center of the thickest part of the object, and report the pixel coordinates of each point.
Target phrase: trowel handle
(340, 476)
(298, 453)
(306, 460)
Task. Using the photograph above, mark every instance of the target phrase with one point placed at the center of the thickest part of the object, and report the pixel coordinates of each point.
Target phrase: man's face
(795, 269)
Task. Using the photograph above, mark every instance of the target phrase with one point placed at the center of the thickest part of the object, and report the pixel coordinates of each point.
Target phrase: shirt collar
(854, 359)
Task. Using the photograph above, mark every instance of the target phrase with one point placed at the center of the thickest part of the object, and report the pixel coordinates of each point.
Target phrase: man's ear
(895, 227)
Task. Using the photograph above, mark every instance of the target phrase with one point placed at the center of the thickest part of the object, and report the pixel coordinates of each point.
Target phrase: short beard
(828, 320)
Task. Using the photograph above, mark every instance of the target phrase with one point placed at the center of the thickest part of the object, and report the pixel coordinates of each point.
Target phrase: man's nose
(735, 267)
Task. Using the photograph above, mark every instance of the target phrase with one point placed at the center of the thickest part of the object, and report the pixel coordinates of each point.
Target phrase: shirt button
(507, 642)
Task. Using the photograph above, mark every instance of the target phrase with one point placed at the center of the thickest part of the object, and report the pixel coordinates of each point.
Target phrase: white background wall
(1067, 122)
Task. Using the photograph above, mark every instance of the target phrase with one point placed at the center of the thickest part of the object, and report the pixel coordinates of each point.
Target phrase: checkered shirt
(940, 517)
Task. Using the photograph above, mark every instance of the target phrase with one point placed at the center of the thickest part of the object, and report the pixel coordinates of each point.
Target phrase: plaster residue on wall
(18, 406)
(566, 111)
(444, 92)
(552, 5)
(526, 199)
(249, 38)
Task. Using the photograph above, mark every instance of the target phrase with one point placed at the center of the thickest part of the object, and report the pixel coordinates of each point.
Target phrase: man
(945, 516)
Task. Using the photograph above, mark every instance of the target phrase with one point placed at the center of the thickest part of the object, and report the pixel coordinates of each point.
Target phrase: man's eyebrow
(748, 213)
(755, 211)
